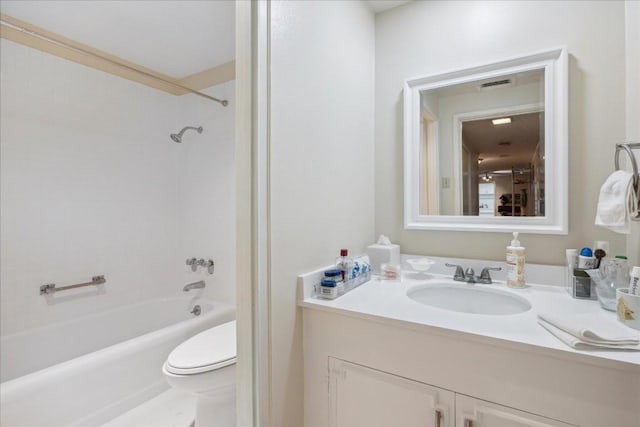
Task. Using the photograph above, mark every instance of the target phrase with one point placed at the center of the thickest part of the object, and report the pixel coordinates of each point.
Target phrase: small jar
(328, 289)
(335, 275)
(389, 271)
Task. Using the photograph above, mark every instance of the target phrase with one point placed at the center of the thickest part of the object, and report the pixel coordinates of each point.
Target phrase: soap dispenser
(515, 263)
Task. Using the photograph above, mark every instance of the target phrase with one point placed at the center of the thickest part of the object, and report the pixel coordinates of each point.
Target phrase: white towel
(617, 202)
(585, 331)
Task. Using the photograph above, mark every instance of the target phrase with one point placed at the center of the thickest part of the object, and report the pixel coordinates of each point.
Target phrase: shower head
(177, 137)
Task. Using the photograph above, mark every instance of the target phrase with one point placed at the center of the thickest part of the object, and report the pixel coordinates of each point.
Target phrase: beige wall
(322, 129)
(427, 37)
(632, 28)
(321, 164)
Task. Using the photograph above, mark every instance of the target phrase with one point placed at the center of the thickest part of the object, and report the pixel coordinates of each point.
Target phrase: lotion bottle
(515, 263)
(634, 283)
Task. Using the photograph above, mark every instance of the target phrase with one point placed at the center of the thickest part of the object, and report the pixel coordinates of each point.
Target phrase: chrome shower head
(177, 137)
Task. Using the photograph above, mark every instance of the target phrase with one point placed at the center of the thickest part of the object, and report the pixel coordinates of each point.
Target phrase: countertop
(387, 301)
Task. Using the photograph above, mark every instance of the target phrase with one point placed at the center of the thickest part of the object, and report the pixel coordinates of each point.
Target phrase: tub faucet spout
(194, 285)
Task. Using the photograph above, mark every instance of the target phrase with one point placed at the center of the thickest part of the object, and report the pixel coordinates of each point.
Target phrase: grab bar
(628, 147)
(51, 288)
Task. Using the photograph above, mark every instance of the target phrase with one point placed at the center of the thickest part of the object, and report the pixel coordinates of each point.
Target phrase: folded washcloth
(576, 343)
(589, 330)
(618, 202)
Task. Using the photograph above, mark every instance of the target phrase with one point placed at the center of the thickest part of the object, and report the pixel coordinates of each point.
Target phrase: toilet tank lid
(209, 347)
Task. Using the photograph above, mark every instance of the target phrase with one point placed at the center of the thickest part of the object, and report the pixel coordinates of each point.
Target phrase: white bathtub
(89, 370)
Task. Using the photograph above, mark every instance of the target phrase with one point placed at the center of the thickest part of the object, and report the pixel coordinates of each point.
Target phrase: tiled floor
(169, 409)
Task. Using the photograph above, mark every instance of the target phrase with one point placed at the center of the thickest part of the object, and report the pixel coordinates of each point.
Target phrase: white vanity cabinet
(472, 412)
(372, 371)
(360, 396)
(363, 397)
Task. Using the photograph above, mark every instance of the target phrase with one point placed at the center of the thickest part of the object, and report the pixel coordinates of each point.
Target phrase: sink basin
(466, 298)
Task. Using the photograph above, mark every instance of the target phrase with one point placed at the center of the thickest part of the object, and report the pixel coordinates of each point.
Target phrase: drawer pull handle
(439, 417)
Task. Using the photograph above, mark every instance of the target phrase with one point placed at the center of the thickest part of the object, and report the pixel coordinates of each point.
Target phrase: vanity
(379, 356)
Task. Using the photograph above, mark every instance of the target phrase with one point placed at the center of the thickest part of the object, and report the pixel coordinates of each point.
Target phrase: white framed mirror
(485, 147)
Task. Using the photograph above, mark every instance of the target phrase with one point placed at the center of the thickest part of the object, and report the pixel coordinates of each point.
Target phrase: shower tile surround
(92, 184)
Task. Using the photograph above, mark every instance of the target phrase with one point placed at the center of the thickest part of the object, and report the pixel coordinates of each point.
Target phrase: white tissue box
(380, 254)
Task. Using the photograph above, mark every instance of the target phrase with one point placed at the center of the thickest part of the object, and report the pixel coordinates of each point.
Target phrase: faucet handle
(210, 266)
(459, 274)
(485, 276)
(193, 263)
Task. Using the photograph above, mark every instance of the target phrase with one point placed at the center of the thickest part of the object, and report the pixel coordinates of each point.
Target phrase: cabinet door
(365, 397)
(471, 412)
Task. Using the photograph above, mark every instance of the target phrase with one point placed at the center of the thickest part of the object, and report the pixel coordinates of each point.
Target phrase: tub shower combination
(89, 370)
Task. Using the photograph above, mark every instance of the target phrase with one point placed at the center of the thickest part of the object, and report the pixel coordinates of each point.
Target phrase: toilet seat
(207, 351)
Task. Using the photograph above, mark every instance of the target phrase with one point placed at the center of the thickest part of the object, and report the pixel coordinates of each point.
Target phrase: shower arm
(223, 102)
(186, 128)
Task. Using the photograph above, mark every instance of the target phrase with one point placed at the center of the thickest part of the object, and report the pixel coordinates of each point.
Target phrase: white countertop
(387, 301)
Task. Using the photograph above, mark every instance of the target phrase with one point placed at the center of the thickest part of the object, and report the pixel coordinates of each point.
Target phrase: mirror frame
(555, 65)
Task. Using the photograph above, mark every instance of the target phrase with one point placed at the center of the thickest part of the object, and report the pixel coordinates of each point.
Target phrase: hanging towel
(590, 331)
(618, 202)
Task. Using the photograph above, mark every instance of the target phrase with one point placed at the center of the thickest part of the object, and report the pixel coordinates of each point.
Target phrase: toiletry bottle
(335, 275)
(634, 283)
(515, 263)
(600, 250)
(343, 263)
(572, 258)
(572, 262)
(328, 289)
(586, 261)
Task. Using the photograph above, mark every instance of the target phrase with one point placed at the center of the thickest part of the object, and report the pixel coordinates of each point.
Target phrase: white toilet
(205, 365)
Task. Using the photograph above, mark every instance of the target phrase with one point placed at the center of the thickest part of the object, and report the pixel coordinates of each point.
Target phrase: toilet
(205, 365)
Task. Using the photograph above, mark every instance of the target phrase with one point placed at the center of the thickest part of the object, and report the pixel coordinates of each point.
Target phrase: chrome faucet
(459, 274)
(195, 285)
(485, 275)
(469, 275)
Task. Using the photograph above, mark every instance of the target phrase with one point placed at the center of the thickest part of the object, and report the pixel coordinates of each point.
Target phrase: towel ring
(628, 147)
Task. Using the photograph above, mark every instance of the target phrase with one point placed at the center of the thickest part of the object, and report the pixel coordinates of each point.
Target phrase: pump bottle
(515, 263)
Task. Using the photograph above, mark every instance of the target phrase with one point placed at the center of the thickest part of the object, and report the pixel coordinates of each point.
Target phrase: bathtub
(89, 370)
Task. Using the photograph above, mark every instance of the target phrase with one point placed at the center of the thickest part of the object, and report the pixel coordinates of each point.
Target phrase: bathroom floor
(172, 408)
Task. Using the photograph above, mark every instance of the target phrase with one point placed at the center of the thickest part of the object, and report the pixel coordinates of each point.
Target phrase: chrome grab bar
(51, 288)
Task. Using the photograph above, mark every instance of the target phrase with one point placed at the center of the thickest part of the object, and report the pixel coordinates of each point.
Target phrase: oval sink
(469, 299)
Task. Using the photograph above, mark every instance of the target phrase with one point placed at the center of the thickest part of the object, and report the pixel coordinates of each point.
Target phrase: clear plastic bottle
(515, 263)
(612, 274)
(344, 264)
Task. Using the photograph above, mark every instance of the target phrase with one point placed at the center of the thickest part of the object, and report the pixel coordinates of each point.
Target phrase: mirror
(485, 148)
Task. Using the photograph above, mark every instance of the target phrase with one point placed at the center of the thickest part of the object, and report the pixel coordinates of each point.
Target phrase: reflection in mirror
(507, 158)
(496, 134)
(485, 147)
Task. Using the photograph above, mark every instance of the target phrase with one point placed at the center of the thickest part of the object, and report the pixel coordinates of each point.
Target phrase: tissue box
(379, 254)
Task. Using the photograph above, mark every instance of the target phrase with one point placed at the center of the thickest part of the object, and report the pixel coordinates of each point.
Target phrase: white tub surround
(109, 363)
(508, 360)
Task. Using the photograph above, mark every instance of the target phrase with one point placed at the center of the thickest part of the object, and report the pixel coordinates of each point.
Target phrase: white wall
(321, 164)
(207, 191)
(92, 184)
(426, 37)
